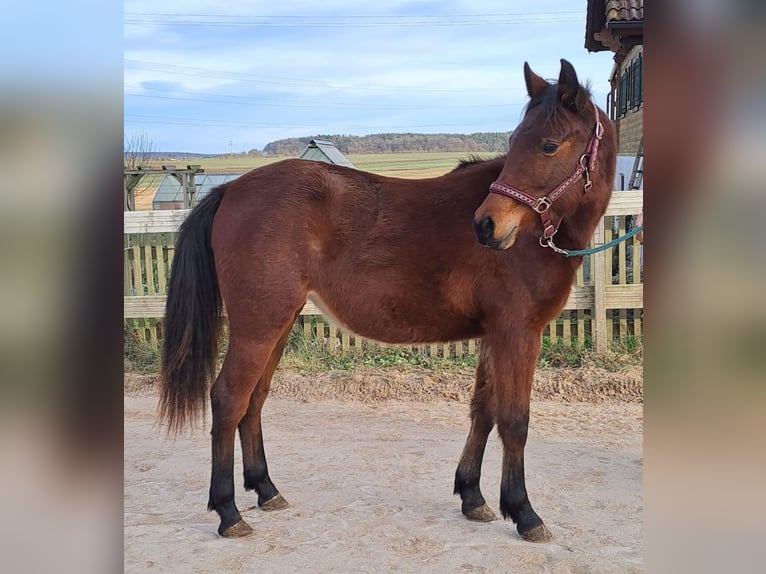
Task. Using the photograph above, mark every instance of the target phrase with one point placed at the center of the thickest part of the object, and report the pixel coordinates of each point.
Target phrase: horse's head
(553, 162)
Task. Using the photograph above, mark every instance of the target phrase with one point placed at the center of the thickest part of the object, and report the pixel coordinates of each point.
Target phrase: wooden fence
(605, 305)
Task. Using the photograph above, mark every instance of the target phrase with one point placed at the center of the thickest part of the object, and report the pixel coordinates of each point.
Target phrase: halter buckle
(588, 181)
(543, 205)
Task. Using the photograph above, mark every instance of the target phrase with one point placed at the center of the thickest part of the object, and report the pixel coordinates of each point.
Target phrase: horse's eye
(550, 147)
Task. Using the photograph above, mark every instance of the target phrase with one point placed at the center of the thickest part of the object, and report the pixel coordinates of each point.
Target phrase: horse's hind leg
(256, 470)
(468, 472)
(244, 365)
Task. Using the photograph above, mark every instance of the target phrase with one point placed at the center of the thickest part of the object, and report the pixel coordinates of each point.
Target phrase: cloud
(393, 68)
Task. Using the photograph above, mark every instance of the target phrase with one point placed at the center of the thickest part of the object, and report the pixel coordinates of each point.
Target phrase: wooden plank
(609, 260)
(629, 296)
(310, 308)
(580, 277)
(151, 331)
(580, 329)
(566, 330)
(149, 265)
(157, 221)
(138, 307)
(637, 247)
(141, 330)
(623, 275)
(126, 271)
(162, 287)
(580, 297)
(626, 202)
(598, 318)
(637, 330)
(138, 282)
(147, 306)
(622, 253)
(552, 332)
(345, 340)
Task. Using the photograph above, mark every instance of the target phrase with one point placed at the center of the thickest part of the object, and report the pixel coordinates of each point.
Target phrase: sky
(231, 76)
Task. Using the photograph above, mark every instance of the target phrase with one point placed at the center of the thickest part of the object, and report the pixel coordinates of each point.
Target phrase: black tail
(192, 320)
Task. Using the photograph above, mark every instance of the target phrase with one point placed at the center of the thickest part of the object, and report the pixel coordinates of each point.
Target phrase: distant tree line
(396, 143)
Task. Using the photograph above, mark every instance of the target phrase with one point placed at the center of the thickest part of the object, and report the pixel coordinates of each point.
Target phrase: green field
(417, 165)
(407, 165)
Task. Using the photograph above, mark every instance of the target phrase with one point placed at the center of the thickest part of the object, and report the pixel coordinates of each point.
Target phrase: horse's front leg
(514, 357)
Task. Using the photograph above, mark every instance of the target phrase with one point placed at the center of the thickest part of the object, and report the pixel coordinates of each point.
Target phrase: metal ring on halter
(548, 242)
(542, 206)
(584, 161)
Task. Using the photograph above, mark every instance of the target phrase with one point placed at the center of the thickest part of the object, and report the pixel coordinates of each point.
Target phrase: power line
(355, 16)
(203, 122)
(350, 21)
(213, 98)
(280, 80)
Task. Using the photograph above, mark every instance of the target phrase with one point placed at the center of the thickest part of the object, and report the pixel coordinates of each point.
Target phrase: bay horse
(470, 254)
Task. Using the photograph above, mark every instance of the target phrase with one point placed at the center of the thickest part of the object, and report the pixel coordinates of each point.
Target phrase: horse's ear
(571, 94)
(535, 84)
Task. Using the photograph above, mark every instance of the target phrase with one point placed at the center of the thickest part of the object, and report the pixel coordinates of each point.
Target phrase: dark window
(630, 90)
(623, 92)
(638, 84)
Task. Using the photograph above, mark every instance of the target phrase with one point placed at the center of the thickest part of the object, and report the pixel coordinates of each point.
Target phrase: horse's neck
(577, 230)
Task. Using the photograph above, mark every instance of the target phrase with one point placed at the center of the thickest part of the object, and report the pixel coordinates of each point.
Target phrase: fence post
(599, 289)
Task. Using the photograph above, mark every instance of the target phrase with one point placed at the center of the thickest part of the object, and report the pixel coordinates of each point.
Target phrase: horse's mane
(552, 106)
(474, 159)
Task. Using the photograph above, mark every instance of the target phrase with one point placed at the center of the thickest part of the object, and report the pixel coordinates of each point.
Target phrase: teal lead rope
(612, 243)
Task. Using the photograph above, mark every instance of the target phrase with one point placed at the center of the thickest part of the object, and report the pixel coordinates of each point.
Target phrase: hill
(496, 142)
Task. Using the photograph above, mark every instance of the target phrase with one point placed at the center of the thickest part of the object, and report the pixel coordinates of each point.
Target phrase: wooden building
(618, 25)
(322, 150)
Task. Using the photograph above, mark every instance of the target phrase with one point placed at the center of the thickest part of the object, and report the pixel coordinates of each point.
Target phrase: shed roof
(170, 190)
(322, 150)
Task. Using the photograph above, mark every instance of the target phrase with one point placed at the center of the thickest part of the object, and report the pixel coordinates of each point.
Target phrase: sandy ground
(370, 487)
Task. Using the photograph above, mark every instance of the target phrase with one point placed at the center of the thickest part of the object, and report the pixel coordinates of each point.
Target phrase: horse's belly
(398, 321)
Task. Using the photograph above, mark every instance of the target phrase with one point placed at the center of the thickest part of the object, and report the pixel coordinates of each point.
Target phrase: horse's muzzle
(485, 231)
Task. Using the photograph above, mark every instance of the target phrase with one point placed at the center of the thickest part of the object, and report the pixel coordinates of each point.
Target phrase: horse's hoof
(481, 514)
(537, 534)
(275, 503)
(239, 530)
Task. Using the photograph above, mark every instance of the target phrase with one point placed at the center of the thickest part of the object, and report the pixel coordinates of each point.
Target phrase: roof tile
(624, 10)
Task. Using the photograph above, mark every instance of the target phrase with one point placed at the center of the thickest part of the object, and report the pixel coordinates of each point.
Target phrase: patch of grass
(139, 356)
(620, 354)
(310, 357)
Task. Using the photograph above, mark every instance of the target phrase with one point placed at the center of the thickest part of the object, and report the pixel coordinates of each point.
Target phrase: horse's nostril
(485, 229)
(489, 226)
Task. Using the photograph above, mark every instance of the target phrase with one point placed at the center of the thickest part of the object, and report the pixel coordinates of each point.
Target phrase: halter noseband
(588, 162)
